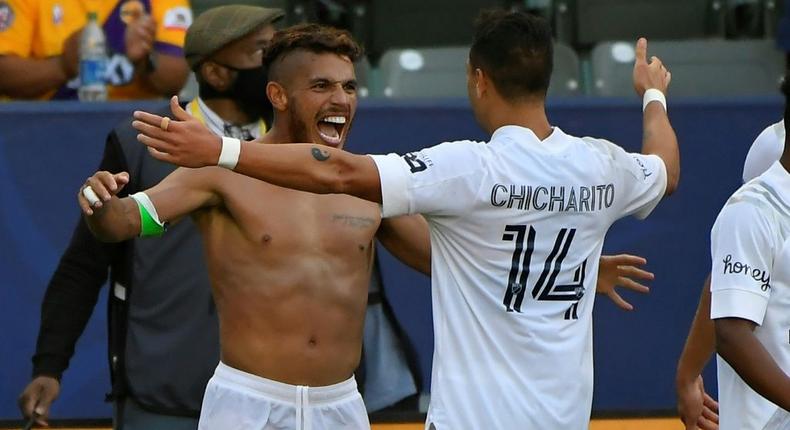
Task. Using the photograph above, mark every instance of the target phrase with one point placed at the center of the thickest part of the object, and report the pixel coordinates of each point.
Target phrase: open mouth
(330, 129)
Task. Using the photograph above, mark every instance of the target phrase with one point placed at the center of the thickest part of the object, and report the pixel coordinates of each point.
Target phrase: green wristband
(149, 223)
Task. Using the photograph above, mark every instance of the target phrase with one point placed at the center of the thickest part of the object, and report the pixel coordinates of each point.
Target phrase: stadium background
(725, 73)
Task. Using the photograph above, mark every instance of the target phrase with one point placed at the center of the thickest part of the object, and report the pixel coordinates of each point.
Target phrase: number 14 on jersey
(545, 287)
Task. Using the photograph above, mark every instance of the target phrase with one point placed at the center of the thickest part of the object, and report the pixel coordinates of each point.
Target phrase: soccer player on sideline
(696, 407)
(516, 225)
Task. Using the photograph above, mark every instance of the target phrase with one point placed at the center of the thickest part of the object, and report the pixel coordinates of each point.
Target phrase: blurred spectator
(39, 47)
(164, 339)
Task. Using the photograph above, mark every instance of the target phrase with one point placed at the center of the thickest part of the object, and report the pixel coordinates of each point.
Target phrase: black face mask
(248, 91)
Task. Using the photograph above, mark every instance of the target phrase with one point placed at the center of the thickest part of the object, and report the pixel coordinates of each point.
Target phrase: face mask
(248, 91)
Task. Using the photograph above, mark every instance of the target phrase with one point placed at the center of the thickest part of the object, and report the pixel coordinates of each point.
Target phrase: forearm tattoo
(319, 154)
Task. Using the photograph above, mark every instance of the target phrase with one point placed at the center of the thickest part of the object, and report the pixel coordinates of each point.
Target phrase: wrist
(230, 150)
(653, 95)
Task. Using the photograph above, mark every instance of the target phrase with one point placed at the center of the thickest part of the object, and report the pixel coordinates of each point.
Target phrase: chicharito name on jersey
(553, 198)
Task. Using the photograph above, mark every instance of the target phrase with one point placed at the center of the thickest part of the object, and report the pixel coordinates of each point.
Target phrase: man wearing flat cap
(163, 330)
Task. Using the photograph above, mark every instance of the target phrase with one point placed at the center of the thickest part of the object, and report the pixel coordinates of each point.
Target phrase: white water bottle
(93, 62)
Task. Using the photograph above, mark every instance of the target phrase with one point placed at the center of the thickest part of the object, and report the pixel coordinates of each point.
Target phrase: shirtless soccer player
(289, 269)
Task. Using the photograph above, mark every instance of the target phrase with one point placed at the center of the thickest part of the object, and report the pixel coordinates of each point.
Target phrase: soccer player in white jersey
(750, 300)
(516, 224)
(697, 409)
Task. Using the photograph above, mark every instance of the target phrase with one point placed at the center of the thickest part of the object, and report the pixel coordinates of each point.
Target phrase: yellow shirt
(38, 28)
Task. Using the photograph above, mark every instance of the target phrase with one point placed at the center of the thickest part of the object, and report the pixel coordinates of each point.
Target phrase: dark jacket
(164, 334)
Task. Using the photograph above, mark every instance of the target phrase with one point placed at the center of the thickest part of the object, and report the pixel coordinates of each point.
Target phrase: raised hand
(183, 141)
(103, 186)
(139, 38)
(37, 397)
(697, 409)
(649, 75)
(621, 271)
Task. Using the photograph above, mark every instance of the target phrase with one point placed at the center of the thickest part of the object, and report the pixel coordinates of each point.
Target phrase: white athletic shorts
(236, 400)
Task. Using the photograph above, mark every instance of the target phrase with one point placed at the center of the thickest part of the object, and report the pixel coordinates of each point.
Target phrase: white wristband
(229, 155)
(653, 95)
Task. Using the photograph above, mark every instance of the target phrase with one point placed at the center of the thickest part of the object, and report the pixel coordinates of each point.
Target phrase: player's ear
(480, 81)
(277, 96)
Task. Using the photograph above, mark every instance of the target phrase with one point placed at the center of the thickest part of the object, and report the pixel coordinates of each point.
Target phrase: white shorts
(236, 400)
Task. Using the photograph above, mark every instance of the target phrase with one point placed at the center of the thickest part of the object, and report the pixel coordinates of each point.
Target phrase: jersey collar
(526, 135)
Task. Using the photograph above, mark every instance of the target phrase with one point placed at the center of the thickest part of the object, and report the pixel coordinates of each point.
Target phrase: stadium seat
(429, 23)
(566, 77)
(706, 68)
(426, 72)
(441, 72)
(363, 72)
(607, 20)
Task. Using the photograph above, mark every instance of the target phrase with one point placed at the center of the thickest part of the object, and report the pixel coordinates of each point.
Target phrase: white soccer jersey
(766, 149)
(750, 279)
(517, 227)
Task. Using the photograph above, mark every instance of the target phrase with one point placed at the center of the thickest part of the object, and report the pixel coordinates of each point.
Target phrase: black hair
(315, 38)
(515, 50)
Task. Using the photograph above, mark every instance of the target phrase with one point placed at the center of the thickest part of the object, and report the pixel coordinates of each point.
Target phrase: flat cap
(221, 25)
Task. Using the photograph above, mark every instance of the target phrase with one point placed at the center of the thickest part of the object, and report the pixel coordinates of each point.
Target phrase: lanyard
(194, 110)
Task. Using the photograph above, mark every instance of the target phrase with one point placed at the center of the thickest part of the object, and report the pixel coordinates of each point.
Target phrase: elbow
(672, 183)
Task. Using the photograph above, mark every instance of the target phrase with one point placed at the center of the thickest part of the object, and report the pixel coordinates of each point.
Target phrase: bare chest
(276, 217)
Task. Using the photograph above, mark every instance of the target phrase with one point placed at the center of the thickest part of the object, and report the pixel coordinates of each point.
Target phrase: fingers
(154, 143)
(148, 118)
(628, 259)
(709, 403)
(153, 131)
(27, 401)
(656, 62)
(85, 205)
(710, 415)
(632, 285)
(641, 50)
(668, 78)
(622, 304)
(42, 409)
(634, 273)
(706, 424)
(161, 156)
(178, 112)
(121, 179)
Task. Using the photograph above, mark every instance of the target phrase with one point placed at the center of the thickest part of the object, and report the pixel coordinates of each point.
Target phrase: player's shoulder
(755, 205)
(600, 146)
(468, 149)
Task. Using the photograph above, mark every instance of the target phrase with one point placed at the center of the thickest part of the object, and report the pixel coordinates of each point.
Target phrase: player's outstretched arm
(695, 406)
(112, 219)
(658, 136)
(621, 271)
(737, 344)
(408, 238)
(306, 167)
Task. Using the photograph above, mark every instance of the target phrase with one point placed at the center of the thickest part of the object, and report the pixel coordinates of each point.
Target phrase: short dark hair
(515, 49)
(315, 38)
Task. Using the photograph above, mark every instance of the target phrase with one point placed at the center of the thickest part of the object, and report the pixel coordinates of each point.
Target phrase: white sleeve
(642, 181)
(766, 149)
(441, 180)
(742, 249)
